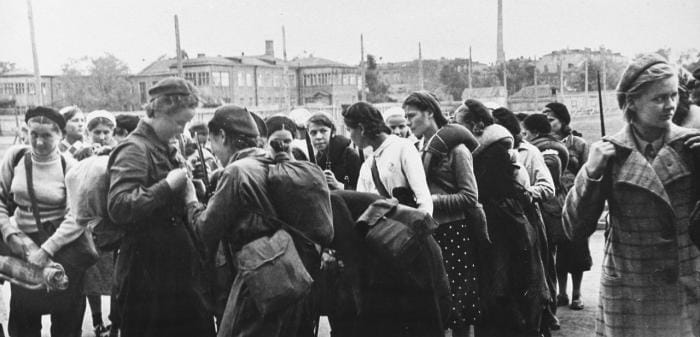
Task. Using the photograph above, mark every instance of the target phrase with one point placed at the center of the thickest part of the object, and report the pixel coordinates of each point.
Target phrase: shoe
(554, 326)
(562, 300)
(576, 304)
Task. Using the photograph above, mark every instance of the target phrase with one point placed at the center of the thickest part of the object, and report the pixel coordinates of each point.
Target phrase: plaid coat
(650, 284)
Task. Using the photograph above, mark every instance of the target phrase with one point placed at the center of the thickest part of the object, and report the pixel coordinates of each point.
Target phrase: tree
(454, 77)
(6, 66)
(376, 85)
(613, 71)
(98, 83)
(520, 74)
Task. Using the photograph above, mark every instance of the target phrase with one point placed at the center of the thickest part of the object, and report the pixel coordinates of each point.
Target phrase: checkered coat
(650, 284)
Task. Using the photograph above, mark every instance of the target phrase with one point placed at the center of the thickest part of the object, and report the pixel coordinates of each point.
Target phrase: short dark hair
(321, 119)
(276, 123)
(126, 124)
(234, 138)
(426, 101)
(507, 118)
(538, 123)
(365, 115)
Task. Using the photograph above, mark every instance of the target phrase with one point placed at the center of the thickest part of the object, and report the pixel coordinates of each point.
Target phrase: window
(43, 88)
(249, 80)
(240, 80)
(142, 92)
(9, 89)
(192, 77)
(203, 79)
(260, 80)
(19, 88)
(31, 89)
(275, 81)
(224, 79)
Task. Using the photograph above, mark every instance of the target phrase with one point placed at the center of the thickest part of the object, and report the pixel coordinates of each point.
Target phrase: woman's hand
(598, 156)
(333, 183)
(17, 245)
(39, 257)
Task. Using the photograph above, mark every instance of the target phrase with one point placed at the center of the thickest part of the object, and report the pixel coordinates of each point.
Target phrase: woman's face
(101, 134)
(75, 127)
(554, 122)
(169, 126)
(398, 126)
(357, 136)
(419, 121)
(320, 136)
(655, 107)
(44, 137)
(527, 135)
(282, 137)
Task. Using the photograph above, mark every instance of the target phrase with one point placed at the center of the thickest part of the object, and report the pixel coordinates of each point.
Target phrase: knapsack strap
(377, 182)
(28, 168)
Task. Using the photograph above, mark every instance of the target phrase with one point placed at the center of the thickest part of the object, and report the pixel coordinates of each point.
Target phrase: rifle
(205, 179)
(600, 107)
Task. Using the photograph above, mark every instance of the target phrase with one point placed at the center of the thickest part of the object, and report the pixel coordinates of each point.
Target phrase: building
(19, 86)
(258, 80)
(571, 61)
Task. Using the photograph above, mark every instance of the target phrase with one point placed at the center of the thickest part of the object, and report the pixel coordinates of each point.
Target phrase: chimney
(269, 48)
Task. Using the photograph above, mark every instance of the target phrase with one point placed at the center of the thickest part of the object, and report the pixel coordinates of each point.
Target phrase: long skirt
(459, 255)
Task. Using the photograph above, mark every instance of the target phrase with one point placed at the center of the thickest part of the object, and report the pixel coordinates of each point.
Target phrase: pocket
(273, 272)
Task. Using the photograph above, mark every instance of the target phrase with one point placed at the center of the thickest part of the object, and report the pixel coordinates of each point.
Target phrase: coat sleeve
(542, 184)
(6, 175)
(415, 176)
(450, 205)
(584, 205)
(129, 197)
(211, 221)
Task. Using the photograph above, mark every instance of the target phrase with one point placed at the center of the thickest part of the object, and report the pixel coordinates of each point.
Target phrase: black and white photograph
(366, 168)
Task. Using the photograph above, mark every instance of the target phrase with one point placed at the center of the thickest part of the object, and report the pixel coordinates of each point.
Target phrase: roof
(158, 67)
(20, 72)
(311, 62)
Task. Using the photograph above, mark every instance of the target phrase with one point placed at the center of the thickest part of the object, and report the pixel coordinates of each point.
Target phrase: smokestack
(269, 48)
(500, 54)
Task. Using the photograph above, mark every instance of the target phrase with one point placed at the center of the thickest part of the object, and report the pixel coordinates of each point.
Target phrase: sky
(140, 31)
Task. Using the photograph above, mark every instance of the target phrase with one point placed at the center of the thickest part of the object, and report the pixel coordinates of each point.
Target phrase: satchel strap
(28, 168)
(377, 182)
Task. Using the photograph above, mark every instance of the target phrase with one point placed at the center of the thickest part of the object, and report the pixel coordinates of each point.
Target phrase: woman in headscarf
(572, 257)
(513, 287)
(98, 278)
(48, 191)
(649, 283)
(456, 207)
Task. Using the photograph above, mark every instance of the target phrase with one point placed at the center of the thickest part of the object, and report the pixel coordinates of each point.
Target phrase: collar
(626, 139)
(388, 142)
(245, 153)
(146, 130)
(642, 144)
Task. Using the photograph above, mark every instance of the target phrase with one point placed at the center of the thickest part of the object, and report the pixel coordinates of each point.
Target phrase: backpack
(88, 186)
(301, 197)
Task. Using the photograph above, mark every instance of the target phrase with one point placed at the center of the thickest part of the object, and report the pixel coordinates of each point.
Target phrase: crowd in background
(187, 217)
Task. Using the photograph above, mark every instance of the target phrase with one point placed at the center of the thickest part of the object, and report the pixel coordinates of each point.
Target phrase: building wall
(23, 90)
(338, 83)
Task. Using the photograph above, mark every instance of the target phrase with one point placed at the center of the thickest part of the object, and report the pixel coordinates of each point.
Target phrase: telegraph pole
(287, 98)
(534, 77)
(363, 95)
(420, 67)
(469, 72)
(35, 56)
(177, 47)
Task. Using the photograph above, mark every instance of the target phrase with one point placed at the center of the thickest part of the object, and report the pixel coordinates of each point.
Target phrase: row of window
(22, 88)
(329, 78)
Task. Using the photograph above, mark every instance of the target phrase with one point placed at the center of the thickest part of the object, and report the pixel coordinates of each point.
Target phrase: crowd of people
(419, 222)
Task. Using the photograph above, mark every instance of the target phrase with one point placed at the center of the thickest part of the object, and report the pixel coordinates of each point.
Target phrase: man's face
(398, 126)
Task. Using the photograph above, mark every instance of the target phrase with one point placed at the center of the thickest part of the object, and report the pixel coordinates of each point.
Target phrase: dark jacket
(234, 213)
(156, 271)
(393, 301)
(344, 161)
(511, 270)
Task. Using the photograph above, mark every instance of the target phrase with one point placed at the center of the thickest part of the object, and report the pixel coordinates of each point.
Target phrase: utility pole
(534, 80)
(585, 79)
(363, 95)
(35, 56)
(603, 66)
(469, 72)
(177, 47)
(561, 76)
(287, 98)
(420, 67)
